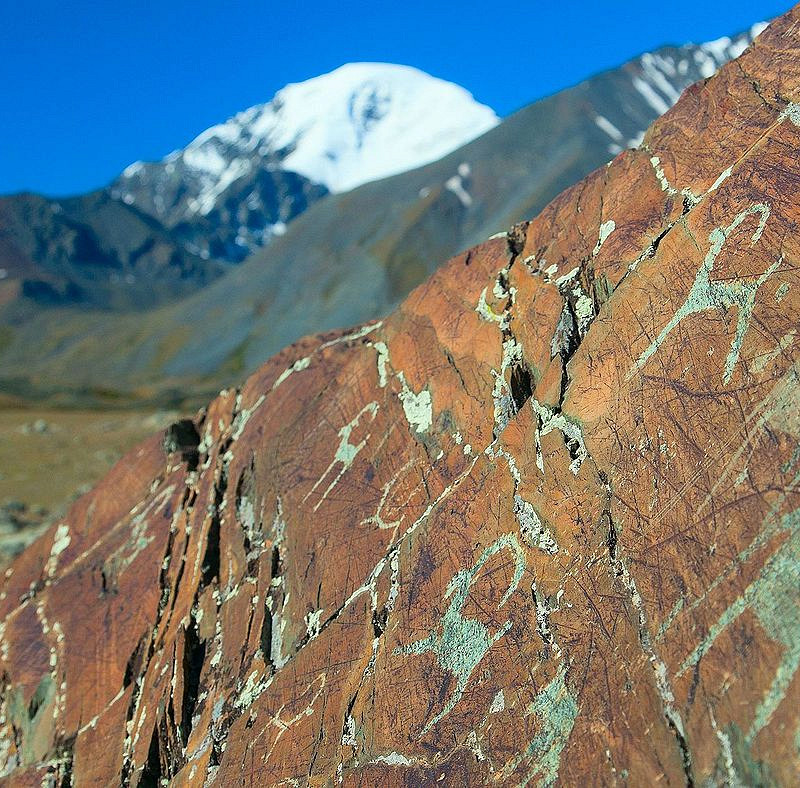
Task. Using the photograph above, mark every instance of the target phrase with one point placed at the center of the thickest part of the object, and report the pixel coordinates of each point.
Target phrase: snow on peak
(359, 123)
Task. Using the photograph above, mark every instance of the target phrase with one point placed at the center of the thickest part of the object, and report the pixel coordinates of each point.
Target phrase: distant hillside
(165, 229)
(352, 256)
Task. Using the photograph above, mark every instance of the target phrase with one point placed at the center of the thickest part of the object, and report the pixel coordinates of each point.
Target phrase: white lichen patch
(303, 363)
(606, 228)
(534, 532)
(383, 357)
(550, 271)
(504, 407)
(349, 732)
(722, 177)
(485, 312)
(550, 420)
(655, 161)
(297, 366)
(688, 196)
(393, 759)
(498, 703)
(61, 541)
(418, 407)
(312, 622)
(243, 415)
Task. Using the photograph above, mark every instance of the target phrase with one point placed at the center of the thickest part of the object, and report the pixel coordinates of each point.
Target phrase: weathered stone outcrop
(540, 525)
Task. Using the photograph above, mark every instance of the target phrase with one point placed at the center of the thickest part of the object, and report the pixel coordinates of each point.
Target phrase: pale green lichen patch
(458, 643)
(720, 295)
(792, 113)
(417, 406)
(761, 362)
(32, 723)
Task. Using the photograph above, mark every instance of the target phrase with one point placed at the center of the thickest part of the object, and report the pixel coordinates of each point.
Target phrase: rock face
(541, 525)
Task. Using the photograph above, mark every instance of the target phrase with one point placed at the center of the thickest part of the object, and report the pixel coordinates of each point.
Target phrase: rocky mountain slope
(93, 251)
(538, 526)
(352, 256)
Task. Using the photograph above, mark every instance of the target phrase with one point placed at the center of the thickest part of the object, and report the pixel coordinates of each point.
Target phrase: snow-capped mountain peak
(365, 121)
(361, 122)
(253, 173)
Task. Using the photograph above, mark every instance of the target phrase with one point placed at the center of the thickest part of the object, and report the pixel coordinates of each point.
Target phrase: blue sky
(90, 86)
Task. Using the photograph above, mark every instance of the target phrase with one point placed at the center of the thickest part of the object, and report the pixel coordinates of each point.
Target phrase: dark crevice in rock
(452, 363)
(686, 755)
(194, 654)
(183, 437)
(521, 385)
(66, 757)
(134, 664)
(379, 620)
(168, 591)
(612, 538)
(151, 775)
(542, 621)
(265, 640)
(521, 378)
(656, 242)
(276, 567)
(211, 558)
(250, 523)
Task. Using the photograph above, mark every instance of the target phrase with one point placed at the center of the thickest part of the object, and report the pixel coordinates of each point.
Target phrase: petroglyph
(774, 598)
(557, 710)
(707, 294)
(345, 453)
(464, 642)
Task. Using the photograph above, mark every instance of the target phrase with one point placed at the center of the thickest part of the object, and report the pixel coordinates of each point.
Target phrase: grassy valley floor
(50, 457)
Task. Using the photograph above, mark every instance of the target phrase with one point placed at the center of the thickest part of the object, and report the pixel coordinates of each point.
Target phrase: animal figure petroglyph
(707, 294)
(463, 642)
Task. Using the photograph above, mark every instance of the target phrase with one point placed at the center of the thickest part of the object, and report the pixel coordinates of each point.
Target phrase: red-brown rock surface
(541, 525)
